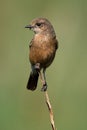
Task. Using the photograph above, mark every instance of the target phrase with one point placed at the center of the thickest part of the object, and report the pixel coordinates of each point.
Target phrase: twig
(50, 111)
(48, 104)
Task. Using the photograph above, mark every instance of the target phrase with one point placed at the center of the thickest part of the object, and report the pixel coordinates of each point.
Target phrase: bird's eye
(38, 24)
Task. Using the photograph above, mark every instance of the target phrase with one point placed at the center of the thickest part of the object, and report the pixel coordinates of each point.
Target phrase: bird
(42, 50)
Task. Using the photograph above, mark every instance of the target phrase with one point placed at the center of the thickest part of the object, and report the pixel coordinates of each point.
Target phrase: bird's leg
(44, 88)
(42, 76)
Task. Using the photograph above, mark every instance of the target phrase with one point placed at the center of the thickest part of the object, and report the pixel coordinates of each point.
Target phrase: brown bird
(42, 50)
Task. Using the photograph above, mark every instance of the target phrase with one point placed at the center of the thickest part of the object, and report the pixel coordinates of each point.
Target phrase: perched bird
(42, 48)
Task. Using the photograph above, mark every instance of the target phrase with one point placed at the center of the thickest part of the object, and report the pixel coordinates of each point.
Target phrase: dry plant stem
(48, 104)
(50, 111)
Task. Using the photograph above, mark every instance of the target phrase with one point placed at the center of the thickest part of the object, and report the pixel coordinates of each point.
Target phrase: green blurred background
(21, 109)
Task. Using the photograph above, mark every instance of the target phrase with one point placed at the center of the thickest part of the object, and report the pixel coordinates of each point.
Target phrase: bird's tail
(33, 80)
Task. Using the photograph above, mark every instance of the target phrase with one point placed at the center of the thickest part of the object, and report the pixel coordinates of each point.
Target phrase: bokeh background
(21, 109)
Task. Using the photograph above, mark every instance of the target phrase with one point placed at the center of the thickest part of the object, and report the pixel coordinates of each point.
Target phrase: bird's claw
(44, 88)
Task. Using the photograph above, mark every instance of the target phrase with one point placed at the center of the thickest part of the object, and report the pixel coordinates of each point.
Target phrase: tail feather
(33, 80)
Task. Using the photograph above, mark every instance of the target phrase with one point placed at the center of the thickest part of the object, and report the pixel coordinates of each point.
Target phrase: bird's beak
(29, 26)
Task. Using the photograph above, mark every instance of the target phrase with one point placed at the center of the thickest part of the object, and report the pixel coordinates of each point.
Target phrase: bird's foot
(44, 88)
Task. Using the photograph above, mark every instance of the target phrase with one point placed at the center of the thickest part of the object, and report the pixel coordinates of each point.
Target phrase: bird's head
(41, 25)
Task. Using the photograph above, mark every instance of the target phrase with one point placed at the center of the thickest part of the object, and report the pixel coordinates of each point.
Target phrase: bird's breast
(42, 51)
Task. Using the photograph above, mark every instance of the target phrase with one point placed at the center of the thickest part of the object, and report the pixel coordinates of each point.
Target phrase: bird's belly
(42, 56)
